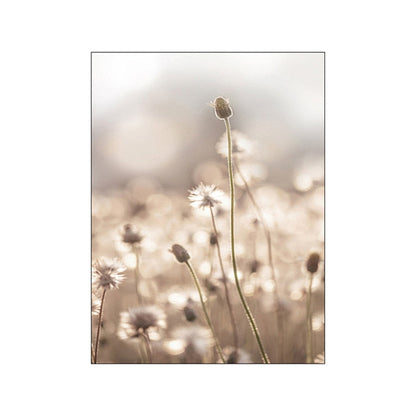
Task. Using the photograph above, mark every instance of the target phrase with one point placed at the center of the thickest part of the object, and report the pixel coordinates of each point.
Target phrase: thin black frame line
(90, 216)
(201, 52)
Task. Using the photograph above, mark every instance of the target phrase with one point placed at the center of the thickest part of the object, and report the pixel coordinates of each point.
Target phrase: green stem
(224, 278)
(97, 339)
(309, 321)
(243, 300)
(198, 287)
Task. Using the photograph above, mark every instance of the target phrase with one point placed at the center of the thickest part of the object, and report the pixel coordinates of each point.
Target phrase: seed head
(212, 239)
(108, 273)
(190, 314)
(130, 234)
(222, 108)
(312, 263)
(203, 196)
(180, 253)
(137, 320)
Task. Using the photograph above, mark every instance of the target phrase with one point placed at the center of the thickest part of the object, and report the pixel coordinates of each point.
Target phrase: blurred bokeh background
(151, 114)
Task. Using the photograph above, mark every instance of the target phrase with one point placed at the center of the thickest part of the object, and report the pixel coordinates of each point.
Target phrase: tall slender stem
(100, 316)
(198, 287)
(224, 279)
(243, 300)
(148, 346)
(137, 273)
(269, 255)
(309, 321)
(261, 218)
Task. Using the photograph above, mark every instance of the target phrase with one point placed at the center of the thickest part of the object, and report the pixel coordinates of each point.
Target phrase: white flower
(203, 196)
(108, 273)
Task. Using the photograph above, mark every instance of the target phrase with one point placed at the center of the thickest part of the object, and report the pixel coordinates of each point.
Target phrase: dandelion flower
(138, 320)
(242, 146)
(108, 273)
(203, 196)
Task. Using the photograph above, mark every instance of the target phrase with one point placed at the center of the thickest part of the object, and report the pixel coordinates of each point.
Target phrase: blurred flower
(203, 196)
(233, 356)
(197, 340)
(319, 359)
(251, 172)
(137, 320)
(130, 234)
(242, 147)
(108, 273)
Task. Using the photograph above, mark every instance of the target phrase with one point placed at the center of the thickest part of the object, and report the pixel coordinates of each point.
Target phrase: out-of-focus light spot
(149, 245)
(205, 268)
(129, 259)
(303, 182)
(316, 282)
(317, 323)
(268, 285)
(249, 289)
(177, 299)
(200, 237)
(230, 275)
(153, 335)
(174, 346)
(296, 295)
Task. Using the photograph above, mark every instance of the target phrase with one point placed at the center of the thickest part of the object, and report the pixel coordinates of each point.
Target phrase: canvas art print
(207, 208)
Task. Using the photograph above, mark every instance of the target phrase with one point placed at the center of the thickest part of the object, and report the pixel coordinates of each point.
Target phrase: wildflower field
(229, 269)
